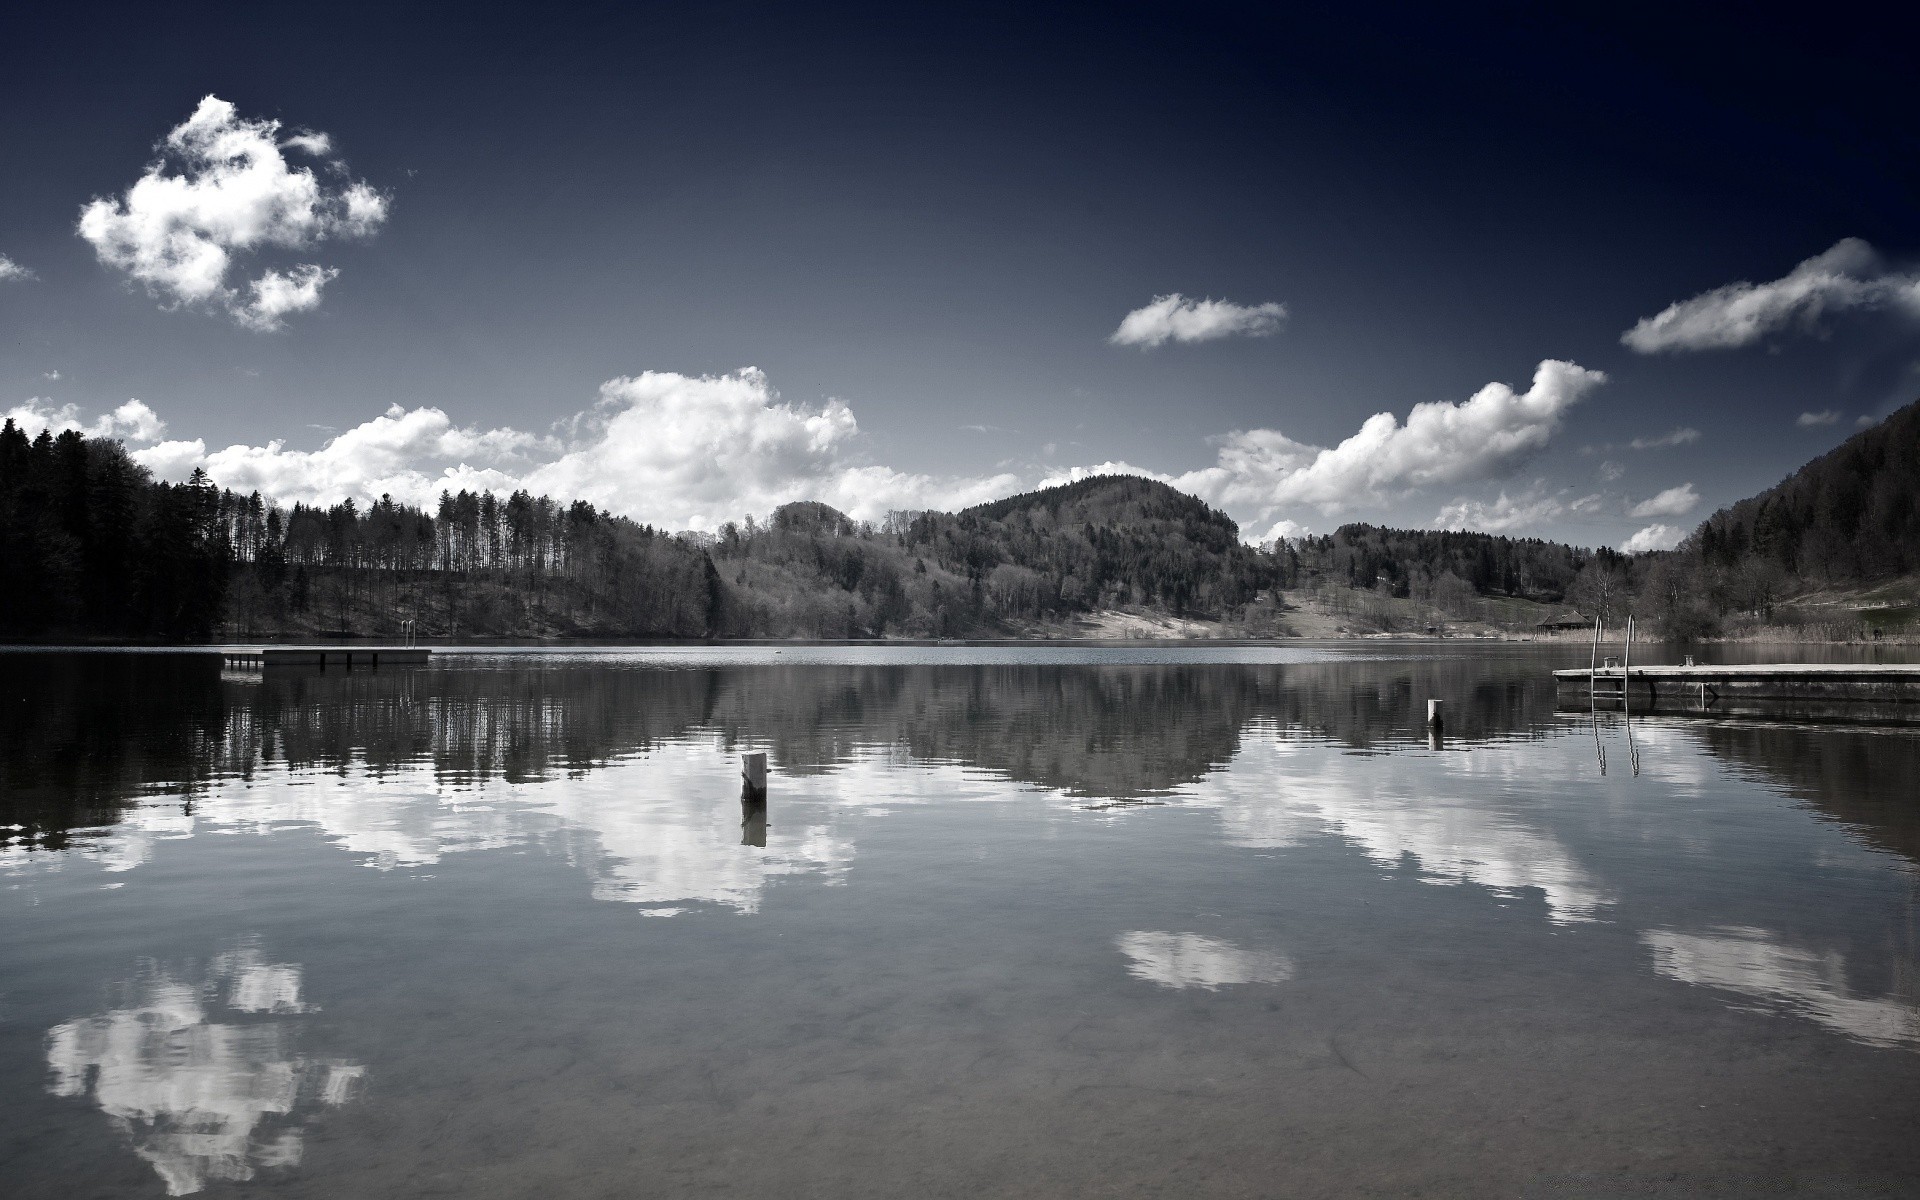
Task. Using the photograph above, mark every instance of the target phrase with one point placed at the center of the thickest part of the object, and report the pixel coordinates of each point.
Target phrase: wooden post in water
(753, 774)
(1434, 719)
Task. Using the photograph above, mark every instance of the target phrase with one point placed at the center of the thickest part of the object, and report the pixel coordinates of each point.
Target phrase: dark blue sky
(938, 217)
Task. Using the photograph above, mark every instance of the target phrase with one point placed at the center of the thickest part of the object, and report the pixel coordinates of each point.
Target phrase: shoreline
(508, 643)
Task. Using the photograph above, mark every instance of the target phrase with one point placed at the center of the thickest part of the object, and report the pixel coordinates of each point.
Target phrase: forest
(97, 549)
(1844, 522)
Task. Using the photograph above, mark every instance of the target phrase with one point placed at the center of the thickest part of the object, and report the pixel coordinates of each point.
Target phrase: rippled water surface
(1033, 921)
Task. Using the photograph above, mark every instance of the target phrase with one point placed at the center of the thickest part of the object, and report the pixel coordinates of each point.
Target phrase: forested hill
(95, 548)
(1104, 542)
(1101, 543)
(1405, 560)
(1853, 514)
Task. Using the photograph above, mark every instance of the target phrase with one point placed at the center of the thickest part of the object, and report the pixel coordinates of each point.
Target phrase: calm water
(1037, 922)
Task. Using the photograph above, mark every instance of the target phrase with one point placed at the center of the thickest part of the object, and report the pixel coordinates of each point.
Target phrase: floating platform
(1810, 691)
(328, 658)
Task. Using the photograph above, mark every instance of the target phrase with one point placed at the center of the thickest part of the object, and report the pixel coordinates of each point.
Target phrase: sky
(1537, 274)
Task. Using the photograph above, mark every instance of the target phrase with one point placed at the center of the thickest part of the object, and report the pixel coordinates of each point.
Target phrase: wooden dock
(1816, 691)
(325, 658)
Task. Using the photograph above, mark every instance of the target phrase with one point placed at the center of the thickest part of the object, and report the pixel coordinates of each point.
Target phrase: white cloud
(1113, 466)
(1176, 318)
(50, 375)
(1588, 503)
(174, 460)
(1280, 531)
(13, 272)
(1653, 537)
(687, 452)
(679, 451)
(408, 454)
(1529, 510)
(132, 421)
(1849, 275)
(1676, 437)
(1487, 436)
(694, 453)
(274, 295)
(1611, 471)
(177, 231)
(1674, 502)
(1825, 416)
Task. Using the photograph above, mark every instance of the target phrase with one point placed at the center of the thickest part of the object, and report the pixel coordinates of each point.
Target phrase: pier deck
(1814, 690)
(343, 658)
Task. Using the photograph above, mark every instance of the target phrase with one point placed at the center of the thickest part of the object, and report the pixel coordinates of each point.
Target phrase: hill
(1851, 515)
(96, 548)
(996, 569)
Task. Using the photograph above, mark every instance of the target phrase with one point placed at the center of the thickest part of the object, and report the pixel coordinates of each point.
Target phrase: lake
(1014, 921)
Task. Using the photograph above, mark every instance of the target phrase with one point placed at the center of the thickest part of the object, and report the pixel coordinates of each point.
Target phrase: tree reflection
(90, 736)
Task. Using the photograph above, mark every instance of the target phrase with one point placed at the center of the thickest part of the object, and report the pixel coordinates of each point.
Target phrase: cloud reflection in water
(202, 1100)
(1755, 963)
(1189, 960)
(1391, 808)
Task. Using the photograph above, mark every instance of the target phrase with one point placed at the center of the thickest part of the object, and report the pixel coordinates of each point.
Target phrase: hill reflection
(91, 735)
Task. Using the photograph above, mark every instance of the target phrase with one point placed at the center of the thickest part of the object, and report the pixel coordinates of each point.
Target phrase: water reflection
(91, 734)
(1760, 965)
(630, 774)
(200, 1098)
(1398, 810)
(1188, 960)
(753, 823)
(1004, 912)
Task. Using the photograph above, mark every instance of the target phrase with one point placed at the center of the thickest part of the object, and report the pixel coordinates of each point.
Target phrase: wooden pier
(326, 658)
(1814, 691)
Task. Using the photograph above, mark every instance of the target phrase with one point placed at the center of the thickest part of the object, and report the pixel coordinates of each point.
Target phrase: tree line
(1848, 518)
(93, 545)
(102, 550)
(97, 548)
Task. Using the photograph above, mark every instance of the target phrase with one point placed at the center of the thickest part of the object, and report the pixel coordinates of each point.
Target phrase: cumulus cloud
(1653, 537)
(1487, 436)
(1674, 437)
(274, 295)
(1847, 276)
(1503, 515)
(693, 452)
(172, 460)
(1611, 471)
(1175, 318)
(682, 452)
(1674, 502)
(710, 449)
(1825, 416)
(1279, 531)
(132, 421)
(408, 454)
(225, 187)
(13, 272)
